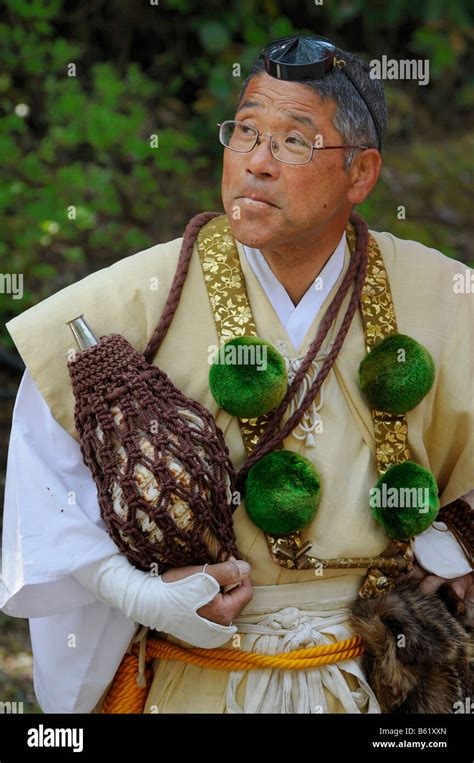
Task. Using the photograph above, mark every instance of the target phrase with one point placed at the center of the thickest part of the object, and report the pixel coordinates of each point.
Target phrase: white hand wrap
(147, 599)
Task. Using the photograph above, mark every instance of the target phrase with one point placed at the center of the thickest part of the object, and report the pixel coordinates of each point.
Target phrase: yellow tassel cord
(125, 696)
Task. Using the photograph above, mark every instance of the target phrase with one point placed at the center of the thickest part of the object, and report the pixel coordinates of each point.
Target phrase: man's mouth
(255, 202)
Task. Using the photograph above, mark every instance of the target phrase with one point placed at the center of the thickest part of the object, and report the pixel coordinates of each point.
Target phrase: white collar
(297, 320)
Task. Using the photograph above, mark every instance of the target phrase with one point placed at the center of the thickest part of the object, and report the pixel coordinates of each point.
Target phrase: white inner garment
(297, 319)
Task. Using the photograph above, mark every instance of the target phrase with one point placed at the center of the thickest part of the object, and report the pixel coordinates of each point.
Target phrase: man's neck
(297, 267)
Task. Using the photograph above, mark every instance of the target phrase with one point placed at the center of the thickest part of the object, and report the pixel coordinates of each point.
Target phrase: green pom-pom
(248, 377)
(282, 492)
(397, 374)
(405, 500)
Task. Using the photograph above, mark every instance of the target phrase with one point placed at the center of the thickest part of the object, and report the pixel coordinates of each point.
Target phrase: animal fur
(418, 657)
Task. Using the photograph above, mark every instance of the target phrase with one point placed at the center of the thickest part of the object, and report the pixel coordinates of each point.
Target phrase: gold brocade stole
(378, 319)
(233, 317)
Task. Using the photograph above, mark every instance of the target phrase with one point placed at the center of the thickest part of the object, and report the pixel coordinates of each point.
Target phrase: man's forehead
(299, 117)
(292, 99)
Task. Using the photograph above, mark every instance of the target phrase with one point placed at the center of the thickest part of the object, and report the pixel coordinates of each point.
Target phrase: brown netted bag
(164, 477)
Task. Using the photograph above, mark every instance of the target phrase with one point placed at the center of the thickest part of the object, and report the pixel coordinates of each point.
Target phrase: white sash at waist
(322, 593)
(282, 618)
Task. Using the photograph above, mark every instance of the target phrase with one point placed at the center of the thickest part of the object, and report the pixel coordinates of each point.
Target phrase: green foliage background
(167, 69)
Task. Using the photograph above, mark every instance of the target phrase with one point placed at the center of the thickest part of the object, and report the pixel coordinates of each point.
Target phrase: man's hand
(463, 587)
(224, 606)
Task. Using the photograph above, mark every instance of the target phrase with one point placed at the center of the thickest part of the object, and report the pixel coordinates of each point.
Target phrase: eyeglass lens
(284, 146)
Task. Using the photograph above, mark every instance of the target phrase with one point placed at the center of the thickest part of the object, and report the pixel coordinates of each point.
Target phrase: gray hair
(352, 117)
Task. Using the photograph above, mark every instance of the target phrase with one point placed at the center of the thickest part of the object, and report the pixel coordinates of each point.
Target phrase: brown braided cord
(459, 518)
(355, 273)
(189, 237)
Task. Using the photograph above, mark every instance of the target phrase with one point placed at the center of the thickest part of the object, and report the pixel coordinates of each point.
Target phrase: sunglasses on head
(300, 58)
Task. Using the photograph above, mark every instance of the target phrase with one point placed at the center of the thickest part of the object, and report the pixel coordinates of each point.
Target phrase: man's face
(303, 200)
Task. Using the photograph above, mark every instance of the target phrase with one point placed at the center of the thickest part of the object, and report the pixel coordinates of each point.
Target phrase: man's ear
(363, 175)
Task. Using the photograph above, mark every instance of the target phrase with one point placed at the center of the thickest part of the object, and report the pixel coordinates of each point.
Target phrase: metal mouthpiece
(83, 334)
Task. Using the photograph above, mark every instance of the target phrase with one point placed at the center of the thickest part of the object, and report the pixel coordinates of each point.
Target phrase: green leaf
(255, 35)
(35, 9)
(437, 46)
(214, 36)
(74, 254)
(44, 270)
(282, 27)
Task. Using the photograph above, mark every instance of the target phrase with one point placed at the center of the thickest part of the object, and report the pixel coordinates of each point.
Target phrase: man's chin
(251, 233)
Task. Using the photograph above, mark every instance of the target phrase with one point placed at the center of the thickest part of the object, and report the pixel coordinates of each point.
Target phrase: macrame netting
(160, 463)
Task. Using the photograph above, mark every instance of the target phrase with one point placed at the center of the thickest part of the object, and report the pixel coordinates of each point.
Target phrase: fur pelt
(418, 657)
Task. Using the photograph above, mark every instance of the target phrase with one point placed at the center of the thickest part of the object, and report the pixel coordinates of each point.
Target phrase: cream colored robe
(123, 299)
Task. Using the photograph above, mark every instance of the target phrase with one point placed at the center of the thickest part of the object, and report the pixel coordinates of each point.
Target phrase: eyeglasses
(286, 147)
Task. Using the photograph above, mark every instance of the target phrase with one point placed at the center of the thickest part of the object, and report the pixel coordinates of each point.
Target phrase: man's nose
(260, 160)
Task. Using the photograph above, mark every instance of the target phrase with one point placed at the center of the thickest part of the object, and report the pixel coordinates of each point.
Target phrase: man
(298, 156)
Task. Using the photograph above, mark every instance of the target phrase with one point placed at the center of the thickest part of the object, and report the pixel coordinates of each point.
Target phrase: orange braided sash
(125, 696)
